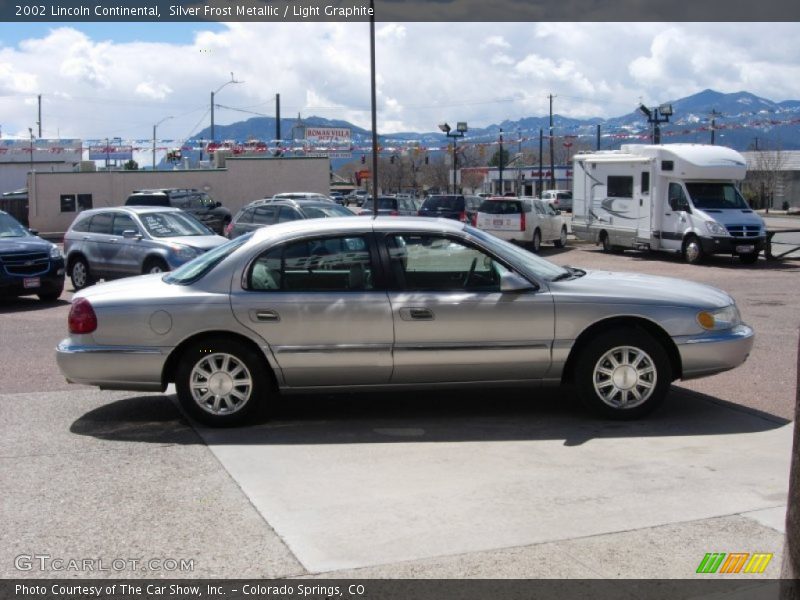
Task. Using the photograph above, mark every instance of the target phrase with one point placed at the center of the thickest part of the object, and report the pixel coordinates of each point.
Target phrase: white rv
(673, 197)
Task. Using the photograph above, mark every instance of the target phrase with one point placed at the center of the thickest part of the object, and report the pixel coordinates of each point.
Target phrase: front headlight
(55, 252)
(715, 228)
(722, 318)
(184, 252)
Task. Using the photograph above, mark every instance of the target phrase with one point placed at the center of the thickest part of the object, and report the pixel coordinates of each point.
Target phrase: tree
(764, 181)
(131, 165)
(495, 160)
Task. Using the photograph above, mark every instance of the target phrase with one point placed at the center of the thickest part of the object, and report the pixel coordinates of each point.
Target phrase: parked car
(524, 220)
(260, 214)
(392, 206)
(199, 204)
(106, 243)
(357, 197)
(338, 197)
(29, 265)
(394, 303)
(560, 199)
(450, 206)
(301, 196)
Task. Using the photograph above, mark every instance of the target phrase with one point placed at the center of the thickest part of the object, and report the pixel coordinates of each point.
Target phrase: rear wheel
(221, 382)
(79, 274)
(608, 246)
(623, 374)
(536, 244)
(693, 250)
(562, 239)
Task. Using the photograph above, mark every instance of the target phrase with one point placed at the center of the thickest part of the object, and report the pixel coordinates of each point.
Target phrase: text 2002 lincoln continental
(400, 303)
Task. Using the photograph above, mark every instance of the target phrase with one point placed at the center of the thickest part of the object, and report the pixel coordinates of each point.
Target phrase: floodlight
(444, 127)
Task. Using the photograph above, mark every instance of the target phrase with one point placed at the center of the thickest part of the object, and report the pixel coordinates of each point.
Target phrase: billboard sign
(110, 152)
(331, 142)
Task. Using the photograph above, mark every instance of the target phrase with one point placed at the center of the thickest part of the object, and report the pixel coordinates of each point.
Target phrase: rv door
(675, 220)
(644, 223)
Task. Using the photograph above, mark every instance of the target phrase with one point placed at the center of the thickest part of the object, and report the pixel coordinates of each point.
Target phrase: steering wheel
(471, 272)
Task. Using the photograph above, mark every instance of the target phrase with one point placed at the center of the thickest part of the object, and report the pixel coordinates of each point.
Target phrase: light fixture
(444, 127)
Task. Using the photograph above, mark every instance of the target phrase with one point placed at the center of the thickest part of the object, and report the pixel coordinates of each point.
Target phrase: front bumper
(729, 245)
(136, 368)
(49, 281)
(715, 351)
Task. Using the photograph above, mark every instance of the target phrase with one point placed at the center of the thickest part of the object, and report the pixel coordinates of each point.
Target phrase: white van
(679, 198)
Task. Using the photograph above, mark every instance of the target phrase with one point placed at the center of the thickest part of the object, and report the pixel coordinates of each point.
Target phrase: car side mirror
(131, 234)
(33, 231)
(217, 204)
(511, 282)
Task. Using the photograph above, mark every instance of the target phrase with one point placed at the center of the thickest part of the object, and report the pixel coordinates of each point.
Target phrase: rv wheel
(692, 250)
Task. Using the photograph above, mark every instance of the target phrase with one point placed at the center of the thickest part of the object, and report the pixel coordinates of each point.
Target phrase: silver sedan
(400, 303)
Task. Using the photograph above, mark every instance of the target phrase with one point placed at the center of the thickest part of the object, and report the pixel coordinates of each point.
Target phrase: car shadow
(474, 416)
(28, 304)
(714, 260)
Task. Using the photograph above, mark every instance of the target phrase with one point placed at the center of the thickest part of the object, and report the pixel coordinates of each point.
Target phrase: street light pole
(501, 162)
(461, 129)
(233, 80)
(154, 139)
(656, 116)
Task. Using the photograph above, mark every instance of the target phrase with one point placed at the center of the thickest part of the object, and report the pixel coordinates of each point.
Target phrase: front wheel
(562, 239)
(221, 383)
(623, 374)
(750, 258)
(693, 251)
(155, 265)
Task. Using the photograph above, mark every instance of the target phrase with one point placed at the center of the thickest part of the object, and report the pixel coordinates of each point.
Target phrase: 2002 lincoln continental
(400, 303)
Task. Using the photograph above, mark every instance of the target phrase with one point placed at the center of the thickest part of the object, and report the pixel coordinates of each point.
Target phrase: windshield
(526, 262)
(333, 210)
(197, 268)
(444, 203)
(10, 227)
(715, 195)
(172, 224)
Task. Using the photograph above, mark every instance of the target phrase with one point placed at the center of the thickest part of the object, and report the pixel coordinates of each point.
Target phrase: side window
(245, 216)
(124, 223)
(437, 263)
(645, 182)
(182, 202)
(287, 213)
(82, 224)
(620, 186)
(540, 208)
(264, 215)
(101, 223)
(336, 264)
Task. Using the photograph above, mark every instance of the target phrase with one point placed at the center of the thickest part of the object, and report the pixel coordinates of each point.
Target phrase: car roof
(137, 210)
(288, 202)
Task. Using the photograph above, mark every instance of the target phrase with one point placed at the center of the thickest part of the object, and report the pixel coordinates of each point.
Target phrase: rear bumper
(136, 368)
(714, 352)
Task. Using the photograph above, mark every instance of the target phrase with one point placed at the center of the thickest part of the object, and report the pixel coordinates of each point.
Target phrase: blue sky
(179, 33)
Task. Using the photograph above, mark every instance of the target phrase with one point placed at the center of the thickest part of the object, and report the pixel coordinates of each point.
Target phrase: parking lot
(512, 483)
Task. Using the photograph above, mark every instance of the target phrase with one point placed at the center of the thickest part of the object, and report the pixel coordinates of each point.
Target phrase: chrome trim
(712, 337)
(472, 346)
(84, 349)
(331, 348)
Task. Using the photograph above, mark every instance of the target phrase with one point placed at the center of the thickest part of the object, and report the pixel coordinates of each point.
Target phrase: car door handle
(416, 314)
(265, 316)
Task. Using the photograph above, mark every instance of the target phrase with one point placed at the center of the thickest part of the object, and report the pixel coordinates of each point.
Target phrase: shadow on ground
(475, 416)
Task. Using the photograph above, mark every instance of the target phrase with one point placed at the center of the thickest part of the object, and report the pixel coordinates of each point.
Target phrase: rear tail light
(522, 221)
(394, 213)
(474, 220)
(228, 229)
(81, 317)
(462, 216)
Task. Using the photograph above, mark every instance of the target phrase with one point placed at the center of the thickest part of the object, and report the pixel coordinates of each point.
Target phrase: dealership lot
(512, 483)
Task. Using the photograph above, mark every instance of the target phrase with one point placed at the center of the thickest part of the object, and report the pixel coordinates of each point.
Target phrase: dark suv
(261, 213)
(199, 204)
(28, 264)
(451, 206)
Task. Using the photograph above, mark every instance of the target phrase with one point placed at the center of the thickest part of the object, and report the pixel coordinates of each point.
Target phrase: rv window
(645, 182)
(667, 165)
(620, 187)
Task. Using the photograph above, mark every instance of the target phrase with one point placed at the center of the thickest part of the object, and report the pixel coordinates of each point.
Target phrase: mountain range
(742, 120)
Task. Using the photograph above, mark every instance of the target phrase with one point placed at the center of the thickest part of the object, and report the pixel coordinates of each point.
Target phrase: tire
(236, 372)
(750, 258)
(536, 244)
(608, 246)
(635, 386)
(154, 265)
(51, 296)
(692, 250)
(79, 274)
(562, 240)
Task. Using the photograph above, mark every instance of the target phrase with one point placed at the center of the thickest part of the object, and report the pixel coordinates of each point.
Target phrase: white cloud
(482, 73)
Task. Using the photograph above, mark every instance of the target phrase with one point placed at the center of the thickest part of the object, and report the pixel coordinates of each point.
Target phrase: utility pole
(501, 161)
(541, 162)
(374, 108)
(598, 136)
(277, 116)
(714, 115)
(552, 151)
(39, 122)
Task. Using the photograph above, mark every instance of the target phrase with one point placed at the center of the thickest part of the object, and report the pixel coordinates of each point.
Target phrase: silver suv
(106, 243)
(560, 199)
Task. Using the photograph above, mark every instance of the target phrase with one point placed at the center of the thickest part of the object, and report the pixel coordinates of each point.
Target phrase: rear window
(147, 200)
(501, 207)
(383, 203)
(444, 203)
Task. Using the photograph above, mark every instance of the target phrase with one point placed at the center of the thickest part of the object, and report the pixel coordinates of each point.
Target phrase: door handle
(416, 314)
(266, 315)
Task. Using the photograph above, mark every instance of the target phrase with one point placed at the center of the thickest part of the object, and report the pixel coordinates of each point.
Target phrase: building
(773, 179)
(522, 180)
(18, 157)
(55, 198)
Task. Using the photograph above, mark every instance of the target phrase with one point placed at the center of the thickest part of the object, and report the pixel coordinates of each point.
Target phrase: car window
(264, 215)
(124, 223)
(500, 207)
(550, 210)
(101, 223)
(10, 227)
(287, 213)
(330, 210)
(540, 208)
(82, 224)
(244, 216)
(171, 224)
(335, 264)
(444, 203)
(197, 268)
(148, 200)
(434, 262)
